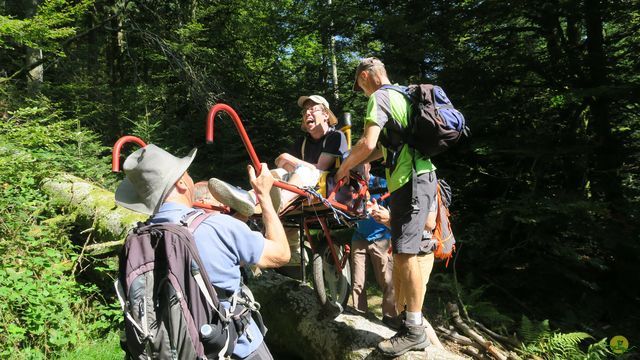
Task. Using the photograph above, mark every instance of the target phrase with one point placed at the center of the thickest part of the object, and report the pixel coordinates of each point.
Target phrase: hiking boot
(238, 199)
(393, 322)
(409, 337)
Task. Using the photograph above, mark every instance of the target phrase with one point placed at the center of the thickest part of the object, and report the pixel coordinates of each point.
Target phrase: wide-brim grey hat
(319, 100)
(150, 174)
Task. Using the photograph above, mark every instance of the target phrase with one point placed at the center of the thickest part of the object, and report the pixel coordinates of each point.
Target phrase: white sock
(414, 318)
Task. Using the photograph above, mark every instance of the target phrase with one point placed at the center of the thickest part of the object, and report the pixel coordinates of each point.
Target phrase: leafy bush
(43, 309)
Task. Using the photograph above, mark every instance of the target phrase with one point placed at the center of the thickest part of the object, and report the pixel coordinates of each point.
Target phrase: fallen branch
(462, 326)
(433, 337)
(92, 205)
(472, 351)
(111, 245)
(512, 341)
(456, 337)
(84, 248)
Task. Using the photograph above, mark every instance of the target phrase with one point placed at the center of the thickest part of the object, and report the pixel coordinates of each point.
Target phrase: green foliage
(475, 301)
(52, 22)
(60, 143)
(540, 341)
(530, 331)
(43, 309)
(484, 310)
(106, 348)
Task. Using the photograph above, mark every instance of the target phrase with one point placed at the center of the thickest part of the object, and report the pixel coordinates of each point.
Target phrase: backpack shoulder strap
(401, 89)
(191, 221)
(404, 90)
(197, 220)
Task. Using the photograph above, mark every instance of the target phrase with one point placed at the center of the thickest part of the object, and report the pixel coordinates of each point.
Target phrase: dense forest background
(546, 190)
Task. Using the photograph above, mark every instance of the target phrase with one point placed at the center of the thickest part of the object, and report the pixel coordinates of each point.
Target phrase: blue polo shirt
(223, 243)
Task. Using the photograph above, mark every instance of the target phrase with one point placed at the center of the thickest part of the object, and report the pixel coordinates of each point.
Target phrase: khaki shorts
(425, 262)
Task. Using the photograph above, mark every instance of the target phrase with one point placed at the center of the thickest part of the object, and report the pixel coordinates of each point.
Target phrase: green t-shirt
(389, 105)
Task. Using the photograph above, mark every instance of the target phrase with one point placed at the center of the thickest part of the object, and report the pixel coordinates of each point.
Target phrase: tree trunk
(93, 207)
(35, 76)
(334, 63)
(608, 152)
(114, 51)
(291, 311)
(92, 50)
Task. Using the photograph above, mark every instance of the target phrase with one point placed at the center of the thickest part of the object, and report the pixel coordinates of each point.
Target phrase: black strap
(223, 294)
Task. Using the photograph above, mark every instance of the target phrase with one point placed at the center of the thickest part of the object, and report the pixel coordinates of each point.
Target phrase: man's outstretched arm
(364, 151)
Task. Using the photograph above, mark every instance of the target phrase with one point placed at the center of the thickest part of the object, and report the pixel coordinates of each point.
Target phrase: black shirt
(333, 143)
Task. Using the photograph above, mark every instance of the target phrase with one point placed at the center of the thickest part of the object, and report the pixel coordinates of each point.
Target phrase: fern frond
(567, 344)
(599, 350)
(531, 331)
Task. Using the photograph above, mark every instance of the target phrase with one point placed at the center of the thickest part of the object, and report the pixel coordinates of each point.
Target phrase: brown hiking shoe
(409, 337)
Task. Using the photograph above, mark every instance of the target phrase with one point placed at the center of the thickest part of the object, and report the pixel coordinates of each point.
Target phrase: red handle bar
(115, 152)
(245, 139)
(243, 134)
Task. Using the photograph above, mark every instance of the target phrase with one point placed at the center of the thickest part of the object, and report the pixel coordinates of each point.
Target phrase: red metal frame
(222, 209)
(117, 147)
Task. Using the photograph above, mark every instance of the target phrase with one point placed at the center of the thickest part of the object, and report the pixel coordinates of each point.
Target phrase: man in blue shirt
(157, 184)
(373, 239)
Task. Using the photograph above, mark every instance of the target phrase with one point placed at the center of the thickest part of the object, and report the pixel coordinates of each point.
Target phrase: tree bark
(334, 62)
(33, 59)
(92, 50)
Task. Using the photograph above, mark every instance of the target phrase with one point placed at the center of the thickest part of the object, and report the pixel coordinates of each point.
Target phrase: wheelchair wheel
(332, 288)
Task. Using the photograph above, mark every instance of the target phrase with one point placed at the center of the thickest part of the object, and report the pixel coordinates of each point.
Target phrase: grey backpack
(171, 309)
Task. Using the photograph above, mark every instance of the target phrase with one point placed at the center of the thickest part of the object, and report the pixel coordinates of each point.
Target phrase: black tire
(331, 289)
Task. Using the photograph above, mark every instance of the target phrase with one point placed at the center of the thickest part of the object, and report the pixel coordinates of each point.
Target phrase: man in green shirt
(412, 183)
